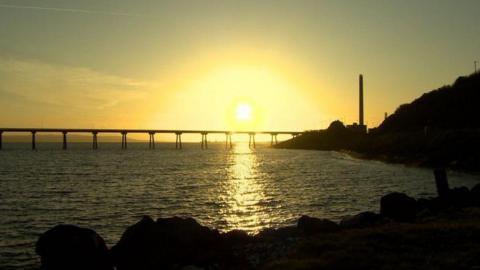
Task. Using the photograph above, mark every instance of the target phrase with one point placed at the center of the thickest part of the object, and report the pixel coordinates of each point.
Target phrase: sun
(243, 112)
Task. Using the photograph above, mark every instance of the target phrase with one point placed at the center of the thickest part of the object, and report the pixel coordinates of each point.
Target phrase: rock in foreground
(398, 206)
(164, 244)
(71, 247)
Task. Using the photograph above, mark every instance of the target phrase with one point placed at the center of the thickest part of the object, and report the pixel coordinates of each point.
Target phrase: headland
(439, 129)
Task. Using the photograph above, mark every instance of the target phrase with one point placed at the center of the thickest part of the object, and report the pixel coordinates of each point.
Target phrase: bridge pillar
(151, 142)
(64, 146)
(124, 140)
(251, 140)
(274, 139)
(228, 140)
(178, 140)
(204, 140)
(95, 142)
(33, 140)
(1, 132)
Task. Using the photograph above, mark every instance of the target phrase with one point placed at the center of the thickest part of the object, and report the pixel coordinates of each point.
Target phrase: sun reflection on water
(244, 191)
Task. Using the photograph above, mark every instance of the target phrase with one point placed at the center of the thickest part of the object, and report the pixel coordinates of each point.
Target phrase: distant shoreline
(421, 161)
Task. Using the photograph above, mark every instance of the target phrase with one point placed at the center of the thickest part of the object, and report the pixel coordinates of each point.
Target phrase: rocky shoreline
(441, 232)
(453, 149)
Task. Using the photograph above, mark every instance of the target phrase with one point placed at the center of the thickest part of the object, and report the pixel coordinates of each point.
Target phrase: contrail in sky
(73, 10)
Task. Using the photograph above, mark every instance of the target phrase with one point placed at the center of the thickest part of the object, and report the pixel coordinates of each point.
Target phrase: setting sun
(244, 112)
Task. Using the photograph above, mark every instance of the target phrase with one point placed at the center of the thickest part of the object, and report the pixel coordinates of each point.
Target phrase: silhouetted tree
(336, 125)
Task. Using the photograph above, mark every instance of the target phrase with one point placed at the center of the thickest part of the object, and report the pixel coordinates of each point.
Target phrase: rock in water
(310, 225)
(398, 206)
(74, 248)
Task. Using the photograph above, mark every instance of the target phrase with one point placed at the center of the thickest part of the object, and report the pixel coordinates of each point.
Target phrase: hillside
(449, 107)
(439, 129)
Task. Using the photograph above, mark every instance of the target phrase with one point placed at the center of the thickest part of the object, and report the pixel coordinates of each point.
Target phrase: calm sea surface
(110, 189)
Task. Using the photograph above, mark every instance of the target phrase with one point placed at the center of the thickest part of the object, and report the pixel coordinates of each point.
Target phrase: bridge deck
(151, 132)
(174, 131)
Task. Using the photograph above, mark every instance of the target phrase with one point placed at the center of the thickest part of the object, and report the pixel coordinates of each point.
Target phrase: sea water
(240, 188)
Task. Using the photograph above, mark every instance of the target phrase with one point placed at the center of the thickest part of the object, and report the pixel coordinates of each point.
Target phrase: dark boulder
(311, 225)
(475, 195)
(279, 233)
(398, 206)
(165, 243)
(424, 203)
(72, 247)
(430, 206)
(459, 197)
(361, 220)
(235, 238)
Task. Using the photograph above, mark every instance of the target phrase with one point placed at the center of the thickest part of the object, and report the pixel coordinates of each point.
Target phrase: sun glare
(243, 112)
(240, 97)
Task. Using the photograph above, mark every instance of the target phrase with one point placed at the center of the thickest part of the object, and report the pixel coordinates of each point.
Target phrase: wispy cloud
(72, 10)
(33, 92)
(73, 87)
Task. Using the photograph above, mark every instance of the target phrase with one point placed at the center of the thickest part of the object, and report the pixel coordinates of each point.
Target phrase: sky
(192, 64)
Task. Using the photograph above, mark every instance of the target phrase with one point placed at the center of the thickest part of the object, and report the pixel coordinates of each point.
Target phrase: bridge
(150, 132)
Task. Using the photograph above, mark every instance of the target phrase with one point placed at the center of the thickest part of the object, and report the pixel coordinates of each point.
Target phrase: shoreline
(417, 163)
(422, 162)
(183, 243)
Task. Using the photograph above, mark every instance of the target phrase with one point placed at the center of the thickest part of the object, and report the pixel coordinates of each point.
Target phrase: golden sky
(288, 65)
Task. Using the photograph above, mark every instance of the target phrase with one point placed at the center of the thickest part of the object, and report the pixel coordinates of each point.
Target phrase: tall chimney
(360, 115)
